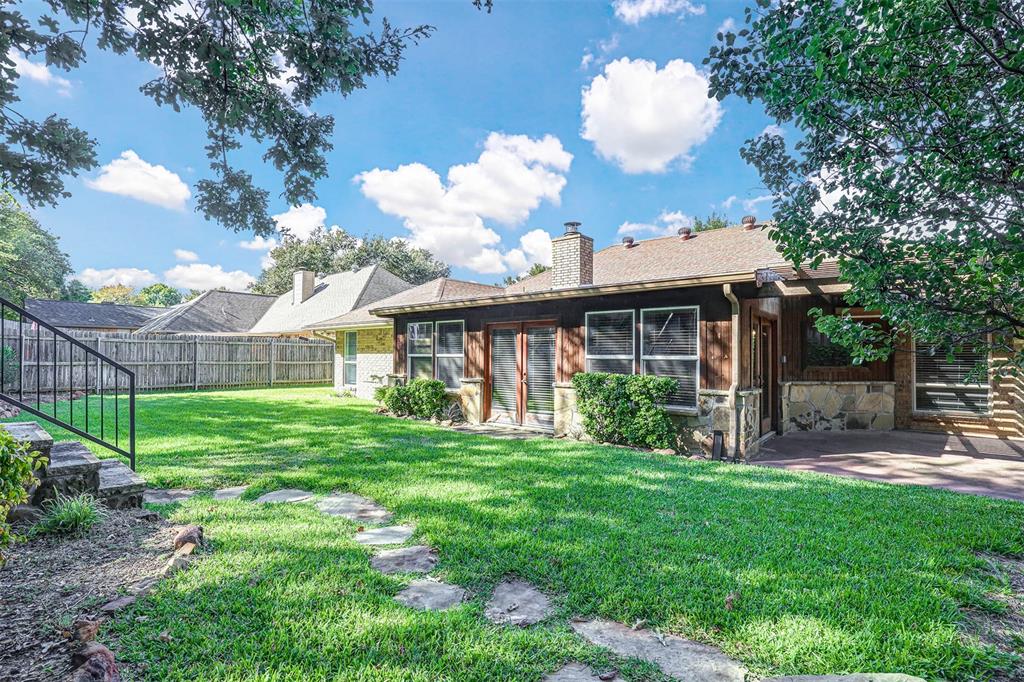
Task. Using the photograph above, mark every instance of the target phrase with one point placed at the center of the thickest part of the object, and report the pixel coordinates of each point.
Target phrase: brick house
(720, 311)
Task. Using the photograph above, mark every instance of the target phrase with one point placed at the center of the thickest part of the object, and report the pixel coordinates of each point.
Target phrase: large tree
(412, 264)
(31, 262)
(250, 69)
(909, 168)
(317, 253)
(159, 295)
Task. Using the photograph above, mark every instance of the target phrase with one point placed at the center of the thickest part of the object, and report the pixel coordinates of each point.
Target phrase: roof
(77, 314)
(436, 290)
(212, 312)
(333, 294)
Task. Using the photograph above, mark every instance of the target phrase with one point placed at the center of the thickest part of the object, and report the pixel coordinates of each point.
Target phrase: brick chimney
(302, 286)
(572, 257)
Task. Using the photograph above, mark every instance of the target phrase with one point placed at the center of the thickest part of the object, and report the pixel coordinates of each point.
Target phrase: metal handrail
(89, 353)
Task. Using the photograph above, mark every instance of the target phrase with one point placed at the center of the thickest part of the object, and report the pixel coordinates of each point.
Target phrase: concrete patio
(981, 466)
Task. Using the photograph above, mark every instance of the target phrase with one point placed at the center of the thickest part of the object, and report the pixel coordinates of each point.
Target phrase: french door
(521, 373)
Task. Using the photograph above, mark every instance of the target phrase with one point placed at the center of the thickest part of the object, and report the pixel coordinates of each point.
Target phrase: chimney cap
(628, 241)
(572, 226)
(748, 221)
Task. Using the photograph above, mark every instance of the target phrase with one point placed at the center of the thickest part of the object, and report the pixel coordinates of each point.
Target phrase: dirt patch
(1004, 631)
(49, 582)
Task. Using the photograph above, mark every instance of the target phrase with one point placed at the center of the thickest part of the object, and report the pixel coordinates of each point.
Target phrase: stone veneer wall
(471, 399)
(838, 406)
(373, 360)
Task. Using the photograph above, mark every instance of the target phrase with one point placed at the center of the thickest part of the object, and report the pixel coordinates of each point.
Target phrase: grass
(828, 575)
(69, 515)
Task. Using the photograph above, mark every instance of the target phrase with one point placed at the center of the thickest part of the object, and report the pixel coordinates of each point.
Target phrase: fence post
(195, 364)
(272, 369)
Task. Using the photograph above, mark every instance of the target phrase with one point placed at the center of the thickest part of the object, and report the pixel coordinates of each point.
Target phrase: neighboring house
(95, 317)
(720, 311)
(212, 312)
(365, 342)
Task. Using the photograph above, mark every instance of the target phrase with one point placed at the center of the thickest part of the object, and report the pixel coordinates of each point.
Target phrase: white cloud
(186, 255)
(773, 129)
(635, 11)
(132, 177)
(534, 247)
(260, 243)
(300, 221)
(750, 205)
(726, 26)
(727, 204)
(287, 72)
(132, 277)
(39, 73)
(204, 276)
(667, 223)
(588, 59)
(644, 118)
(511, 177)
(604, 48)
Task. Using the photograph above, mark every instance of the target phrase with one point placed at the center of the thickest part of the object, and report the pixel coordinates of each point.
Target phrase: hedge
(626, 409)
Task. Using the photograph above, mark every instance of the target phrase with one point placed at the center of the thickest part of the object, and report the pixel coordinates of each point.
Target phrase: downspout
(734, 386)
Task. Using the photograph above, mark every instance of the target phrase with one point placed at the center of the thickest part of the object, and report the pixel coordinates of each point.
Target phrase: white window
(419, 344)
(941, 385)
(450, 352)
(351, 347)
(610, 344)
(669, 345)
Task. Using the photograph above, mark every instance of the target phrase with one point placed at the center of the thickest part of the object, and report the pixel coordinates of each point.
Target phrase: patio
(977, 465)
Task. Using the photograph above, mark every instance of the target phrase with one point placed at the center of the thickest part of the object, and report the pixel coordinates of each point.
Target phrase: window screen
(942, 383)
(450, 352)
(351, 350)
(669, 344)
(420, 349)
(609, 342)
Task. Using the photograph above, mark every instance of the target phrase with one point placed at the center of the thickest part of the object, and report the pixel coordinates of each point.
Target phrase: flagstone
(232, 493)
(354, 507)
(517, 602)
(286, 495)
(389, 535)
(415, 559)
(431, 595)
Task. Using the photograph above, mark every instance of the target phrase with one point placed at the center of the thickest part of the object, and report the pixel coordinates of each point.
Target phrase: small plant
(69, 515)
(626, 409)
(9, 365)
(17, 463)
(424, 398)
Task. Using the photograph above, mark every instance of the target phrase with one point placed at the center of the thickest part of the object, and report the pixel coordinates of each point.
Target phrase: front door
(521, 373)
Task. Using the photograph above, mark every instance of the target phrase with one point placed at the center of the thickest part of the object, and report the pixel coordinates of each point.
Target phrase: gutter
(734, 386)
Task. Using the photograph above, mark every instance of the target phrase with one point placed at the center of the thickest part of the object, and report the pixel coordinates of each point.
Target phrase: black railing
(30, 383)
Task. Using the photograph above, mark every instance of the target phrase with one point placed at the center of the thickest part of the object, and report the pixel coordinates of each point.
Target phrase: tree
(535, 269)
(250, 69)
(713, 221)
(74, 290)
(114, 293)
(412, 264)
(910, 171)
(31, 262)
(317, 254)
(192, 294)
(159, 294)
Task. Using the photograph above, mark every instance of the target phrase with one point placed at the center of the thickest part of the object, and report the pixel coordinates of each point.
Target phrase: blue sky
(496, 130)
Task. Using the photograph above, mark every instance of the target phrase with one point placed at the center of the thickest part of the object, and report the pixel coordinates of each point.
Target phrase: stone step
(120, 487)
(31, 433)
(72, 470)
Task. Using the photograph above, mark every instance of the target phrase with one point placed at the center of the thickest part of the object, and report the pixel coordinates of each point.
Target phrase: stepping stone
(677, 657)
(517, 602)
(431, 595)
(855, 677)
(577, 672)
(286, 495)
(415, 559)
(166, 496)
(354, 508)
(232, 493)
(390, 535)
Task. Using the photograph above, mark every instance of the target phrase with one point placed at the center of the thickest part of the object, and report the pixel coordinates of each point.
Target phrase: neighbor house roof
(79, 315)
(436, 290)
(212, 312)
(333, 294)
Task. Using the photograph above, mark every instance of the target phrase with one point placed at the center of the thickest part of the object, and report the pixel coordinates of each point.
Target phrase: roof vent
(686, 233)
(749, 222)
(628, 242)
(572, 227)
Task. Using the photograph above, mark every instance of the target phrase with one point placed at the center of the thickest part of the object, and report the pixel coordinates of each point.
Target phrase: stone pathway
(855, 677)
(286, 495)
(389, 535)
(354, 508)
(431, 595)
(517, 602)
(415, 559)
(577, 672)
(232, 493)
(166, 495)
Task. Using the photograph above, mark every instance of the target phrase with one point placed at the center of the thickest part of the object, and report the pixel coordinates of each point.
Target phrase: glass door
(540, 376)
(504, 374)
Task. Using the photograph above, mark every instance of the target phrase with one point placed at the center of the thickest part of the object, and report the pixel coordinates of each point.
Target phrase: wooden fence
(160, 361)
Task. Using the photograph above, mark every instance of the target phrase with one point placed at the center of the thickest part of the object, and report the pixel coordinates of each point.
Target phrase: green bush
(16, 465)
(9, 365)
(66, 515)
(424, 398)
(626, 409)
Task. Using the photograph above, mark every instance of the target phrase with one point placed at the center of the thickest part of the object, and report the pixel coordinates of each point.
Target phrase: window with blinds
(610, 342)
(943, 384)
(450, 352)
(669, 345)
(420, 350)
(351, 348)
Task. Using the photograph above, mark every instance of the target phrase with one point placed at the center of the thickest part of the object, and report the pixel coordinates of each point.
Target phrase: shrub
(16, 465)
(9, 365)
(424, 398)
(625, 409)
(66, 515)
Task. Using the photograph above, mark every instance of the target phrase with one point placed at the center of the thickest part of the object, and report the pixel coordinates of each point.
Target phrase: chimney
(572, 257)
(302, 286)
(749, 222)
(686, 233)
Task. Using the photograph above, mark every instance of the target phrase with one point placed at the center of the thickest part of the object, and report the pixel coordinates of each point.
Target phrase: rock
(117, 604)
(144, 587)
(166, 496)
(430, 595)
(286, 495)
(180, 561)
(95, 663)
(85, 629)
(855, 677)
(517, 602)
(24, 513)
(232, 493)
(415, 559)
(146, 515)
(391, 535)
(577, 672)
(663, 451)
(354, 508)
(189, 535)
(677, 657)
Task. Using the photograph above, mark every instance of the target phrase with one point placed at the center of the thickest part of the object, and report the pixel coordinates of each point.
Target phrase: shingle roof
(440, 289)
(76, 314)
(332, 295)
(213, 312)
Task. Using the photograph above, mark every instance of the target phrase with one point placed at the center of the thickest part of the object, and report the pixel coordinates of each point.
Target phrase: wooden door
(521, 373)
(765, 364)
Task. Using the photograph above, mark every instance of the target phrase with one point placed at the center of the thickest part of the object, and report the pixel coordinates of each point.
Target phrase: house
(95, 317)
(720, 311)
(213, 312)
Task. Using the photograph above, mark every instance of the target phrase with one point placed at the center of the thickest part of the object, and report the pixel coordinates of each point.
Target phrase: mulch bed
(49, 582)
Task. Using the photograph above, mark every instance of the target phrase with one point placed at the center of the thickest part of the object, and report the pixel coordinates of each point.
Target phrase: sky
(497, 129)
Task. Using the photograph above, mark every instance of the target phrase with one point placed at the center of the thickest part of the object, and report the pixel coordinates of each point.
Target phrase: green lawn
(832, 575)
